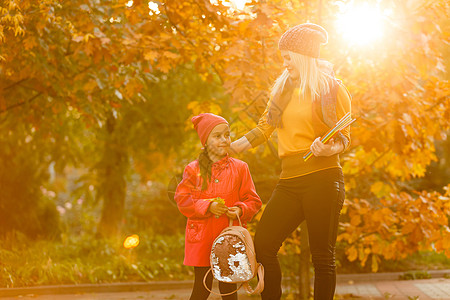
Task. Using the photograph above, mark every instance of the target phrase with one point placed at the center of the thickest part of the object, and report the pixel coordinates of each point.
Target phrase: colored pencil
(344, 122)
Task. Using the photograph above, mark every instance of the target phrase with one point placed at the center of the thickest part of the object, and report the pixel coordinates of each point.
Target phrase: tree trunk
(305, 256)
(112, 189)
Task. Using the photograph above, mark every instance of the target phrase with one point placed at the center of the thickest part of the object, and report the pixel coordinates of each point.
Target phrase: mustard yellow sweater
(297, 134)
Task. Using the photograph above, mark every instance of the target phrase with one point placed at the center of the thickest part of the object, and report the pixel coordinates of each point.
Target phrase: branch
(21, 103)
(15, 83)
(364, 235)
(379, 157)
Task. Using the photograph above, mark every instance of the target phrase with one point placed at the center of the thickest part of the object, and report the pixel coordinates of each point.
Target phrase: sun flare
(361, 25)
(239, 4)
(131, 241)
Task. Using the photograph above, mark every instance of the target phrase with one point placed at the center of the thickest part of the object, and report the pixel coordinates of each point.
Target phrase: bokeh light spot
(131, 241)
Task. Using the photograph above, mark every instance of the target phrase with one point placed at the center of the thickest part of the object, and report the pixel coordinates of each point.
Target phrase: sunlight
(239, 4)
(131, 241)
(361, 25)
(154, 8)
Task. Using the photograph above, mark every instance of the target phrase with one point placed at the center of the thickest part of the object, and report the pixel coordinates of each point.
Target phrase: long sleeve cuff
(244, 208)
(255, 137)
(344, 140)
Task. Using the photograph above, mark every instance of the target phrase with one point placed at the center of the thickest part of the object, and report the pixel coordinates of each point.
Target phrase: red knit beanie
(205, 123)
(304, 39)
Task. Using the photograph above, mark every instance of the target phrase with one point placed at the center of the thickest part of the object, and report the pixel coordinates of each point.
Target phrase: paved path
(154, 295)
(424, 289)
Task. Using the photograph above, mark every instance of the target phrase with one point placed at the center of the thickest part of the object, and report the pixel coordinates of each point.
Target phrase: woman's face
(289, 65)
(218, 142)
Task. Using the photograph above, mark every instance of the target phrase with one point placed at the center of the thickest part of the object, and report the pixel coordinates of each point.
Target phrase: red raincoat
(231, 181)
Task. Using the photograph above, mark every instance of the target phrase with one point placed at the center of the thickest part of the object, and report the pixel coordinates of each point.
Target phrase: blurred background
(95, 105)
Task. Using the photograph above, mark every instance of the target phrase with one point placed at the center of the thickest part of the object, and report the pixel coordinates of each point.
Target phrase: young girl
(213, 175)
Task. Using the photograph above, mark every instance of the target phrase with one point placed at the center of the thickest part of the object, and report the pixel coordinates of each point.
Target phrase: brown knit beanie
(304, 39)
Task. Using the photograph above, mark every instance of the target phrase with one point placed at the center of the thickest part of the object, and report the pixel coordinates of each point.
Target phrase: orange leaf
(355, 220)
(352, 253)
(150, 55)
(408, 228)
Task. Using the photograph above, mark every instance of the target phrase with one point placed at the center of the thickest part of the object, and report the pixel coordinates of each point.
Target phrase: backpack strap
(260, 271)
(260, 286)
(218, 294)
(230, 221)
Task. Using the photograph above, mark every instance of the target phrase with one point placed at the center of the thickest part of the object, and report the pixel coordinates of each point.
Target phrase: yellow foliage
(401, 104)
(352, 253)
(355, 220)
(150, 55)
(404, 224)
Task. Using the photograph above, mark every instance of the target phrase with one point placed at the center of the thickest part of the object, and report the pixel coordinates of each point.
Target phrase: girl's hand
(218, 209)
(320, 149)
(231, 213)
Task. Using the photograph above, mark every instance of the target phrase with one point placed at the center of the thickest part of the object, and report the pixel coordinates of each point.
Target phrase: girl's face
(289, 65)
(218, 142)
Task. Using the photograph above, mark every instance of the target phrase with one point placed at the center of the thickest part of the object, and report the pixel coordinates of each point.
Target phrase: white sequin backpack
(233, 259)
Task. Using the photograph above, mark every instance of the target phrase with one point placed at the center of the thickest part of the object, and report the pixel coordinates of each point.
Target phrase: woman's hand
(218, 209)
(231, 213)
(320, 149)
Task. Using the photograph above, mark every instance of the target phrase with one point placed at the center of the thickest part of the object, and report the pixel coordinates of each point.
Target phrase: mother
(306, 101)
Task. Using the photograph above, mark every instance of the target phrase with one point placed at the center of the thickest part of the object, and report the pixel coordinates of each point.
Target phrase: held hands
(320, 149)
(231, 213)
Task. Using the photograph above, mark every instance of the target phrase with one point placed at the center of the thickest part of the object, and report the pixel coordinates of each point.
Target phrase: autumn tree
(403, 108)
(400, 98)
(116, 69)
(85, 68)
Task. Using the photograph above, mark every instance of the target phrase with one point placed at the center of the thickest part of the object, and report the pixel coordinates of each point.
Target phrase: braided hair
(205, 164)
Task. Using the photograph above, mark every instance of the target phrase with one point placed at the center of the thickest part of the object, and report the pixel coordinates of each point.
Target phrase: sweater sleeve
(188, 204)
(343, 106)
(249, 200)
(262, 132)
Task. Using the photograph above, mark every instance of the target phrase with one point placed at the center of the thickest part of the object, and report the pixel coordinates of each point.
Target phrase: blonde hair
(314, 75)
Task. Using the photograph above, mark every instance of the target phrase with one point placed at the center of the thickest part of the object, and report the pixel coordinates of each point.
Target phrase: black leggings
(316, 198)
(200, 293)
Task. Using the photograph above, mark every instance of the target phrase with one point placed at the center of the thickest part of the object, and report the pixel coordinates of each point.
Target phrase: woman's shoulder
(343, 91)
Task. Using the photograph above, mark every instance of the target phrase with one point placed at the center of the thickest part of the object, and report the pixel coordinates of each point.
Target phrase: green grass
(415, 275)
(90, 260)
(86, 259)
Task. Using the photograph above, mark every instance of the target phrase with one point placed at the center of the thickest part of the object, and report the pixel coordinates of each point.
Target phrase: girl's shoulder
(193, 165)
(237, 162)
